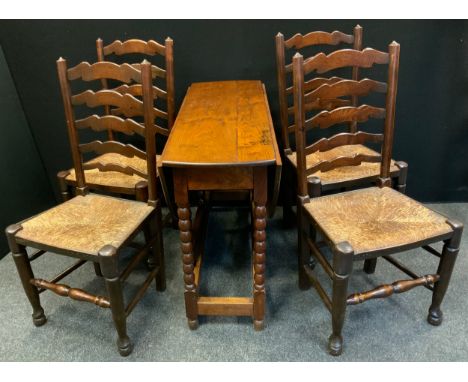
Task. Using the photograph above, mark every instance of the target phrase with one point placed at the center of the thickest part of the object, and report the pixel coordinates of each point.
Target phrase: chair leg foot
(335, 345)
(435, 317)
(259, 325)
(39, 318)
(125, 346)
(192, 324)
(369, 266)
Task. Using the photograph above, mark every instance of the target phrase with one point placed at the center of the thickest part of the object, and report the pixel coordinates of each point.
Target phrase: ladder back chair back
(322, 63)
(284, 73)
(148, 48)
(93, 227)
(128, 182)
(128, 107)
(366, 223)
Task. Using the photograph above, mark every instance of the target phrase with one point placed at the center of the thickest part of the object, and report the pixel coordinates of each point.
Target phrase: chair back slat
(150, 48)
(322, 63)
(355, 160)
(316, 82)
(100, 147)
(341, 139)
(110, 122)
(128, 105)
(109, 70)
(136, 90)
(346, 87)
(322, 104)
(132, 46)
(299, 41)
(327, 118)
(129, 170)
(155, 70)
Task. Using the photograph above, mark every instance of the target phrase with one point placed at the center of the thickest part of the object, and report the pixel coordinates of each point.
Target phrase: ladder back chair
(336, 179)
(114, 181)
(93, 227)
(369, 222)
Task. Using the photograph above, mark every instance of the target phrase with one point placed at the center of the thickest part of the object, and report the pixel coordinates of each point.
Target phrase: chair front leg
(25, 272)
(108, 259)
(342, 267)
(447, 261)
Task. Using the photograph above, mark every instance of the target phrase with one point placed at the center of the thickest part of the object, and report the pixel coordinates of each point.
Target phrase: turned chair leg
(156, 256)
(401, 181)
(97, 269)
(108, 259)
(447, 261)
(342, 266)
(25, 272)
(369, 265)
(63, 186)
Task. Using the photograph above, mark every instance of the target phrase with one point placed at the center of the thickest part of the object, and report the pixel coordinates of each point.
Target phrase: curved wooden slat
(137, 90)
(127, 104)
(314, 83)
(100, 147)
(299, 41)
(341, 139)
(150, 47)
(355, 160)
(155, 71)
(322, 63)
(129, 170)
(386, 290)
(106, 122)
(362, 113)
(104, 70)
(322, 104)
(157, 113)
(346, 88)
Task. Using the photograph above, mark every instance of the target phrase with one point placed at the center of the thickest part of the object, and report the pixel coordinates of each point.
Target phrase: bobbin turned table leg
(188, 259)
(259, 245)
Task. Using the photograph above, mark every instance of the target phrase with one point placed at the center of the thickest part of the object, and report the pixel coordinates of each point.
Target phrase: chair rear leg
(108, 259)
(63, 186)
(156, 256)
(303, 258)
(288, 199)
(25, 272)
(447, 261)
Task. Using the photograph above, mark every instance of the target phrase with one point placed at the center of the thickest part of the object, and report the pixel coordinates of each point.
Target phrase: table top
(225, 123)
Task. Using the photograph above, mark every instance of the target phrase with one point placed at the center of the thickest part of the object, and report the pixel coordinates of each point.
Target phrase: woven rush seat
(344, 173)
(375, 218)
(84, 224)
(96, 177)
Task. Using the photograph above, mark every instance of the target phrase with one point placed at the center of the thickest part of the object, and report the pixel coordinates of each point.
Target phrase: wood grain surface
(222, 123)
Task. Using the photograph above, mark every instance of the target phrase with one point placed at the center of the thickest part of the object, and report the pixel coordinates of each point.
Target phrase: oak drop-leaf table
(223, 139)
